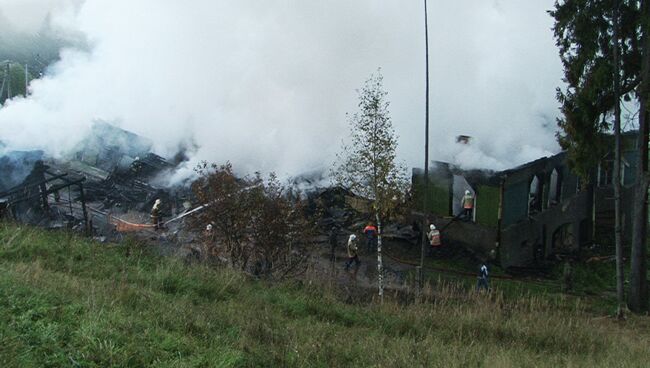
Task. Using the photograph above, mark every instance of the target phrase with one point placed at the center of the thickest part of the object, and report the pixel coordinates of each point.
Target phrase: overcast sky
(266, 84)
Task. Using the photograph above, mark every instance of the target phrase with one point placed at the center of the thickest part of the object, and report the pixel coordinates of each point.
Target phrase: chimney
(463, 139)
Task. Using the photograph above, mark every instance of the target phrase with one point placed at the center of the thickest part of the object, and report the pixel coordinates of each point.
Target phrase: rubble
(111, 172)
(107, 147)
(112, 179)
(333, 206)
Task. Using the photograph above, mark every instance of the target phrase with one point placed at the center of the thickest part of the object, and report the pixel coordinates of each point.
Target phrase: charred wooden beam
(82, 198)
(30, 185)
(43, 190)
(47, 192)
(68, 184)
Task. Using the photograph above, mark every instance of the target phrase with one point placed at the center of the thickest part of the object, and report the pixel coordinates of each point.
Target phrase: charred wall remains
(527, 215)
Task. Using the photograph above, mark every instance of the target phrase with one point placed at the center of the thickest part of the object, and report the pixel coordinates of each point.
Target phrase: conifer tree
(606, 61)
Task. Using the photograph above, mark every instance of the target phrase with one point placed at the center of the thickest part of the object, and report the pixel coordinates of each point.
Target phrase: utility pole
(2, 88)
(425, 189)
(26, 78)
(8, 74)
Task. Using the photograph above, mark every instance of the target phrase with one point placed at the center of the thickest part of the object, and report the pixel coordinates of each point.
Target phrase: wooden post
(70, 202)
(43, 189)
(418, 282)
(3, 208)
(82, 198)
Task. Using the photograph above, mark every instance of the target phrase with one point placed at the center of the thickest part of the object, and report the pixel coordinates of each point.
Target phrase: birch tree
(368, 164)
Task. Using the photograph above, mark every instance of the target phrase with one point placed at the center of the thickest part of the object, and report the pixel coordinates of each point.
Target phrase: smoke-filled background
(266, 84)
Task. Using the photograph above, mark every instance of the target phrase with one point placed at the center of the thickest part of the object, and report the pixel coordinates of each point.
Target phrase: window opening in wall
(535, 196)
(555, 188)
(606, 172)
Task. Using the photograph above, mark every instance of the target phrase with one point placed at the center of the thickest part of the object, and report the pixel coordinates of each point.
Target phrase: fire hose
(126, 226)
(120, 224)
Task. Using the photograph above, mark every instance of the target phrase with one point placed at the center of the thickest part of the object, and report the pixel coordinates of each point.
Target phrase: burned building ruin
(111, 172)
(528, 215)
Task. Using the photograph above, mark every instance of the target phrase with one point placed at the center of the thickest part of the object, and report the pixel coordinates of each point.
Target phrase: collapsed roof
(117, 169)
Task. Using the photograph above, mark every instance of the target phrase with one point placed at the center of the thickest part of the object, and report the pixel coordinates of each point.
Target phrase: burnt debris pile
(34, 200)
(112, 172)
(340, 209)
(131, 188)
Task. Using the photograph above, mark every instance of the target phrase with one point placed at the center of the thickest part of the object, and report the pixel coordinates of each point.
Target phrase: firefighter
(468, 205)
(371, 236)
(156, 214)
(208, 233)
(483, 278)
(434, 237)
(352, 252)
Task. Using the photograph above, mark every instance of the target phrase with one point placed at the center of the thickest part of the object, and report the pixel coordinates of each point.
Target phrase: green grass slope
(69, 302)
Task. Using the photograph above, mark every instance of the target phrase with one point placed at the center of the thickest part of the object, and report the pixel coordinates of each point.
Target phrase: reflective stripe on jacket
(468, 202)
(483, 273)
(434, 238)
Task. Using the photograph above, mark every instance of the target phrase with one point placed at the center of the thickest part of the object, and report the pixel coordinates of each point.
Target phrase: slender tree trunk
(377, 208)
(380, 265)
(620, 276)
(638, 293)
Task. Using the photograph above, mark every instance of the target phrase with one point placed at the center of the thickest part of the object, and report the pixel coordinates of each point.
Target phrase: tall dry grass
(65, 301)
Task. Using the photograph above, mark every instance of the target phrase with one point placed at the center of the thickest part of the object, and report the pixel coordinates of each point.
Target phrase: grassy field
(69, 302)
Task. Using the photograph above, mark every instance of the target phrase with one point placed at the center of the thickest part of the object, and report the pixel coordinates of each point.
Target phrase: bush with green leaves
(256, 225)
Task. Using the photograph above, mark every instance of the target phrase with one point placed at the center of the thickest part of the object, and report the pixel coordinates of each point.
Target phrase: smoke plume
(266, 84)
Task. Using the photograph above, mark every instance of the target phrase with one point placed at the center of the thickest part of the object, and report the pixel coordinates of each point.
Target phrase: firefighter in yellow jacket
(156, 214)
(353, 249)
(434, 240)
(468, 205)
(434, 236)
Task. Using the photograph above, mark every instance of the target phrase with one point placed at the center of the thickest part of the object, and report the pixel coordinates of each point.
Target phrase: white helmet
(158, 201)
(209, 227)
(467, 192)
(432, 227)
(353, 237)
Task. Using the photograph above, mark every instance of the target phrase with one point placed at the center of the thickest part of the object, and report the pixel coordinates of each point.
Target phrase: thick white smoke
(266, 84)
